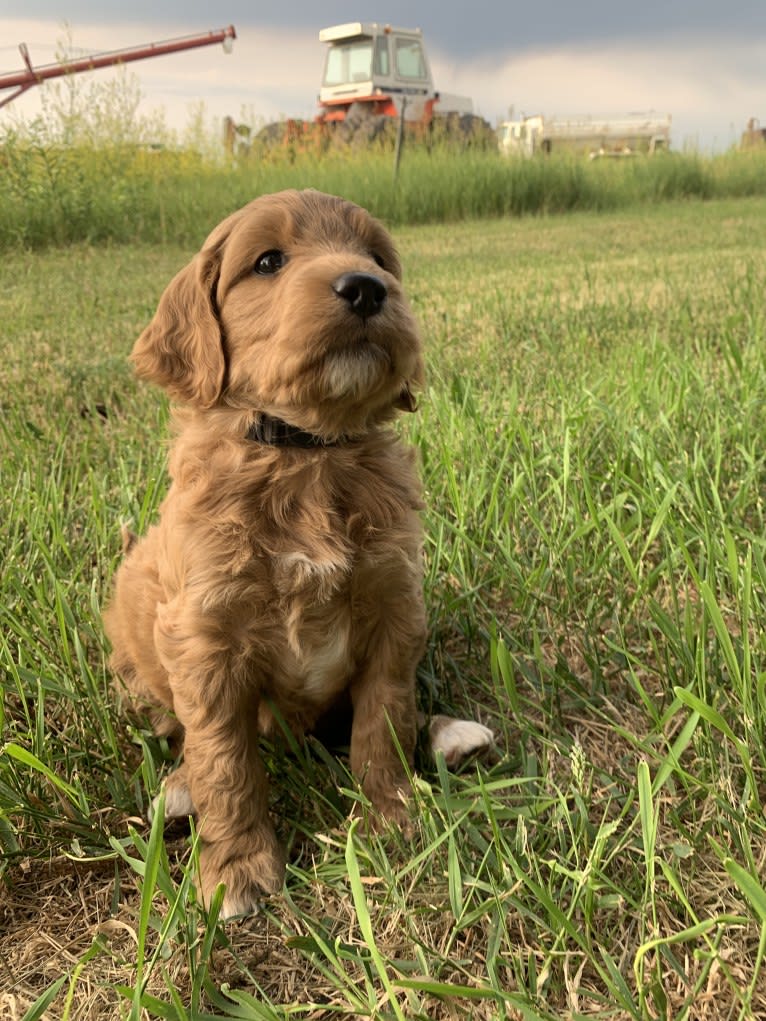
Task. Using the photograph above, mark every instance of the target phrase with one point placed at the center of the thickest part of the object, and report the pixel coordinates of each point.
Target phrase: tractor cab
(371, 63)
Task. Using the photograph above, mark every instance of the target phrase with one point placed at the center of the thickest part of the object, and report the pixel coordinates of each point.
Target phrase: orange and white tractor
(375, 74)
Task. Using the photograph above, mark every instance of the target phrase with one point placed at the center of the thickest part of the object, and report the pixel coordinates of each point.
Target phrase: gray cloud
(489, 27)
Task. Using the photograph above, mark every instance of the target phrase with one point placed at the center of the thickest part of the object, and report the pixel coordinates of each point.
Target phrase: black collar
(276, 433)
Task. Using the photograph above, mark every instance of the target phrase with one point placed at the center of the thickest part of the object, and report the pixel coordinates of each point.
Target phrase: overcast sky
(702, 61)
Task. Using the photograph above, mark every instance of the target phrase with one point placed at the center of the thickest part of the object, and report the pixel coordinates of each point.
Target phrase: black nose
(364, 292)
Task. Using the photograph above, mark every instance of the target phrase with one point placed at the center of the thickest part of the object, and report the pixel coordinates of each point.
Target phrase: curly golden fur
(279, 578)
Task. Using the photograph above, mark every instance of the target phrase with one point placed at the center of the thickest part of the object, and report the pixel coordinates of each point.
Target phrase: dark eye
(379, 260)
(269, 263)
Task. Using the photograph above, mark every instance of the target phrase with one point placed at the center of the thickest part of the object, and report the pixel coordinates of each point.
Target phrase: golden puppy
(285, 570)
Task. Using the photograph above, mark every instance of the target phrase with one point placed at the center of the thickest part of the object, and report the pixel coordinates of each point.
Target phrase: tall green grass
(54, 193)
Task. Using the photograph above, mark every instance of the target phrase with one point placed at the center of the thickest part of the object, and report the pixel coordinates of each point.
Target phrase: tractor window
(349, 62)
(381, 65)
(409, 59)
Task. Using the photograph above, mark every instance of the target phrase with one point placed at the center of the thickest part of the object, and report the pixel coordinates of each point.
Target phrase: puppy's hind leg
(458, 740)
(129, 539)
(177, 793)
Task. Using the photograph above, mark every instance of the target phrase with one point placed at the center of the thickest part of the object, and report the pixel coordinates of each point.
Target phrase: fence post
(399, 139)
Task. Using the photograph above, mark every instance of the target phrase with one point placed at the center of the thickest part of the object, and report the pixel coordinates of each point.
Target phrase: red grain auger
(23, 80)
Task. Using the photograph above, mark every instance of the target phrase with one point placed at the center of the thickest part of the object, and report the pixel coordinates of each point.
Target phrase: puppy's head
(294, 308)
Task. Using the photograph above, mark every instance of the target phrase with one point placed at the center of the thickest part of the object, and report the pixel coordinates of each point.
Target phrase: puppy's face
(294, 307)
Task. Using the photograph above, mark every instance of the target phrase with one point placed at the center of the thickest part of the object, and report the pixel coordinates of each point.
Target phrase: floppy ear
(406, 401)
(182, 347)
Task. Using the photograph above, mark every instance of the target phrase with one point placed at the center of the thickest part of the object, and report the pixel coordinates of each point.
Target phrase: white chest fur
(323, 662)
(317, 623)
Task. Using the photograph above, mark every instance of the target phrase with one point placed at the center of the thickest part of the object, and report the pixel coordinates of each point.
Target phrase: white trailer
(595, 137)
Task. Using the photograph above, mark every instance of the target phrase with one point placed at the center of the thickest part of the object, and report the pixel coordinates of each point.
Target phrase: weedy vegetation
(91, 169)
(593, 456)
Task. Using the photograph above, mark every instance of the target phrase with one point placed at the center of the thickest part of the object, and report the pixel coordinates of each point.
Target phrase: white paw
(239, 907)
(178, 799)
(457, 739)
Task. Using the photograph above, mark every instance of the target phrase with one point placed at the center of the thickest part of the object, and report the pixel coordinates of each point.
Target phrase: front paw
(391, 805)
(251, 868)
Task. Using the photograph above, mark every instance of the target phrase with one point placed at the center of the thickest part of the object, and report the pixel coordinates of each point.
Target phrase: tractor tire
(271, 136)
(362, 129)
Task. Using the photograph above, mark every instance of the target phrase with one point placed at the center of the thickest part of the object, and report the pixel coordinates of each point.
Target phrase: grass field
(592, 442)
(127, 193)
